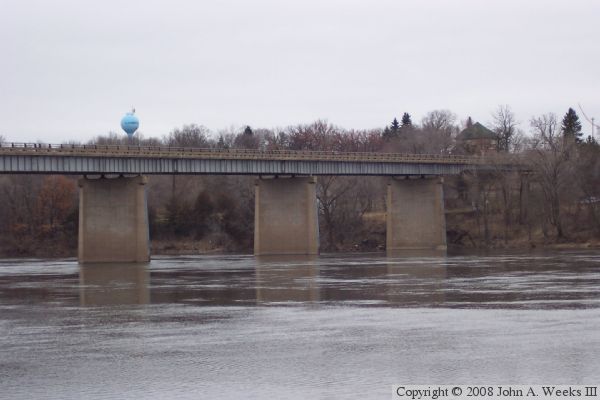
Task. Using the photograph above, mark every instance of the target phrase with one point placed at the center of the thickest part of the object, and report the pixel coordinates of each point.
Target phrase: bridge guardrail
(93, 150)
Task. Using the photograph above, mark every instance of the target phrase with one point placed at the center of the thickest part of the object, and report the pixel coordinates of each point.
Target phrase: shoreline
(168, 249)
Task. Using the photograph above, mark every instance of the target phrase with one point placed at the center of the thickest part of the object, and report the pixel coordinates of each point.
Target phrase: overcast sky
(69, 70)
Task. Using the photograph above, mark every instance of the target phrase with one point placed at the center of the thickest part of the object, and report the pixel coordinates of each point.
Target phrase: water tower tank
(130, 123)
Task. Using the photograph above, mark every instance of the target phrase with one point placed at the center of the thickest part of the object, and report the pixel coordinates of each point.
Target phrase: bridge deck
(97, 159)
(230, 154)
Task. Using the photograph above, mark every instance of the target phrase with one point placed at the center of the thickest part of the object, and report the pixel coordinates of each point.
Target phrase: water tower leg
(113, 220)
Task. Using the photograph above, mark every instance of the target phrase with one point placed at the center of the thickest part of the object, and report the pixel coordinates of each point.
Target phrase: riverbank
(197, 247)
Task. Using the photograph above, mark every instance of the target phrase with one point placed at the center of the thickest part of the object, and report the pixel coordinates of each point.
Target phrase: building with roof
(477, 139)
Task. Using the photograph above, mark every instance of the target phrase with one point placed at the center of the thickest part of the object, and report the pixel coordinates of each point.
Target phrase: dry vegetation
(556, 202)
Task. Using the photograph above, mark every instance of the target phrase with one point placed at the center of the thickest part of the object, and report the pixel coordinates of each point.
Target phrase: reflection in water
(272, 279)
(416, 253)
(400, 281)
(509, 281)
(287, 279)
(113, 284)
(416, 283)
(235, 326)
(416, 277)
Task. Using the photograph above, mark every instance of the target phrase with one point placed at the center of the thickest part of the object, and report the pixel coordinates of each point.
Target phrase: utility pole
(590, 120)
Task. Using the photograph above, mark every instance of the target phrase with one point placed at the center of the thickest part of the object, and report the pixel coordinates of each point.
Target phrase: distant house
(477, 139)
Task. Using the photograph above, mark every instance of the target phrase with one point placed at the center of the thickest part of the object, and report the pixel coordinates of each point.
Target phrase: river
(337, 326)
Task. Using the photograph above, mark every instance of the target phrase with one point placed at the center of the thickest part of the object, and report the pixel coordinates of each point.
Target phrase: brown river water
(335, 326)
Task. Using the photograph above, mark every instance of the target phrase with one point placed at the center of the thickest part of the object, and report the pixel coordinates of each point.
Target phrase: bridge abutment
(113, 220)
(285, 216)
(415, 214)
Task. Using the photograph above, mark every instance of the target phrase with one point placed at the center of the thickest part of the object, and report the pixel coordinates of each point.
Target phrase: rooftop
(476, 131)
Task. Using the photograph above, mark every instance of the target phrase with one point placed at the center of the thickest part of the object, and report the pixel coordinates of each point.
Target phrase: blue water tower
(130, 123)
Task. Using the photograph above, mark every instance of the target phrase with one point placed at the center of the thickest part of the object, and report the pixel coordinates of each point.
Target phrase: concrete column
(415, 214)
(113, 220)
(285, 216)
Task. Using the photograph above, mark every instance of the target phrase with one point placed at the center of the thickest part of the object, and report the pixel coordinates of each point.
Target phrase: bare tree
(329, 191)
(518, 142)
(550, 158)
(438, 130)
(343, 202)
(438, 120)
(316, 136)
(482, 185)
(114, 138)
(587, 180)
(188, 136)
(505, 126)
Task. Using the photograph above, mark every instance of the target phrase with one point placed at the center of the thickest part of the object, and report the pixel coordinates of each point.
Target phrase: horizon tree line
(558, 200)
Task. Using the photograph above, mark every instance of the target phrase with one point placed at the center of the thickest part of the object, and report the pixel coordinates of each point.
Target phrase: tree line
(555, 199)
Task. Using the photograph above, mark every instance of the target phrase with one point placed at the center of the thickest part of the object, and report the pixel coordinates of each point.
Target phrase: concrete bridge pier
(415, 214)
(285, 216)
(113, 220)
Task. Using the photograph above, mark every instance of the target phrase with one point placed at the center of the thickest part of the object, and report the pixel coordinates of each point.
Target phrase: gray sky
(70, 69)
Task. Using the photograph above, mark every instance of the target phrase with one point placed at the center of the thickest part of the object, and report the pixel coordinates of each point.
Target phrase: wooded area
(557, 201)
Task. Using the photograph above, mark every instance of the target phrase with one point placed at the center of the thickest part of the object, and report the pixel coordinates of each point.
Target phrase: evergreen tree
(221, 142)
(386, 133)
(395, 128)
(248, 131)
(406, 121)
(571, 127)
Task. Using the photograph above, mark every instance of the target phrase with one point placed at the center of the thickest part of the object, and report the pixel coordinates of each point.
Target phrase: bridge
(113, 220)
(34, 158)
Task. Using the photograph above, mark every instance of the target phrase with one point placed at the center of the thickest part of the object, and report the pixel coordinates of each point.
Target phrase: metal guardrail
(92, 150)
